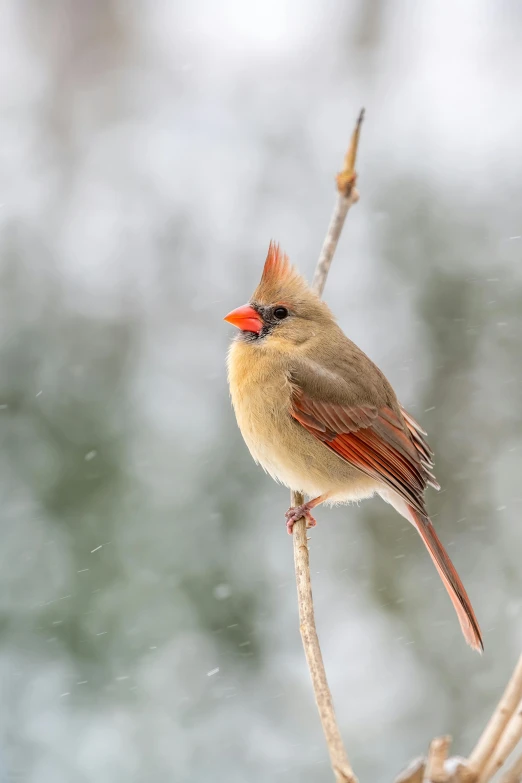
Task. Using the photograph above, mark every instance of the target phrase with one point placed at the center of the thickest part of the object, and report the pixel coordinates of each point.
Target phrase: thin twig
(338, 756)
(514, 773)
(435, 771)
(506, 745)
(488, 741)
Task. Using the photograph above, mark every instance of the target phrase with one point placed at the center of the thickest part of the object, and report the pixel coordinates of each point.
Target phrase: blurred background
(148, 152)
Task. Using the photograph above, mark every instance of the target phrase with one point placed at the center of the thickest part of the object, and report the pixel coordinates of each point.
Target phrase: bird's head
(283, 308)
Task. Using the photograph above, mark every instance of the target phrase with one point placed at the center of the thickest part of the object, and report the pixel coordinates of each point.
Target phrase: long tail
(450, 579)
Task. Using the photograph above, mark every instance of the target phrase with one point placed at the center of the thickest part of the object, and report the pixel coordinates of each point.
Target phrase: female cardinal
(320, 417)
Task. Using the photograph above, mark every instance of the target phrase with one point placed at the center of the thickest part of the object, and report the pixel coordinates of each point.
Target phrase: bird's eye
(280, 313)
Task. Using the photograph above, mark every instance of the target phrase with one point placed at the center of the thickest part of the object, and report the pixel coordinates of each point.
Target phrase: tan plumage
(321, 418)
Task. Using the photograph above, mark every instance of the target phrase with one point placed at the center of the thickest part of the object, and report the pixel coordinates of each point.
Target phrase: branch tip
(436, 771)
(347, 177)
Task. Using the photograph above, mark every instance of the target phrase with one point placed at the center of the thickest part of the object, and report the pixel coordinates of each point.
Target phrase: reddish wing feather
(374, 441)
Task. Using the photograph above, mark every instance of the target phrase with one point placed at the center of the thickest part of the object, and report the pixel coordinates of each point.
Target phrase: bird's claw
(295, 513)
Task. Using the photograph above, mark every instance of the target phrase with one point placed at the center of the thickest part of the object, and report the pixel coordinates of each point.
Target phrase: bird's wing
(386, 443)
(375, 440)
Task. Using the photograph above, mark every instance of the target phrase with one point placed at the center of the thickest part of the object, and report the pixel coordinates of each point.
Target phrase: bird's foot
(295, 513)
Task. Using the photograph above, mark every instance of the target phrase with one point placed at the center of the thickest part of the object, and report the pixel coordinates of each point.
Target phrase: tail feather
(451, 580)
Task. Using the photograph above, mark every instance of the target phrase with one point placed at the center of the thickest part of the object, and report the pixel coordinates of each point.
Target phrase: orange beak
(245, 318)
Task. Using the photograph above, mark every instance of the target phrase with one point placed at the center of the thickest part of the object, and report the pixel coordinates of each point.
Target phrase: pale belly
(293, 457)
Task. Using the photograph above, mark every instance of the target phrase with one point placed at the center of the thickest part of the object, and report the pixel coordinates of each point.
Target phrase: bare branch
(435, 766)
(338, 756)
(492, 733)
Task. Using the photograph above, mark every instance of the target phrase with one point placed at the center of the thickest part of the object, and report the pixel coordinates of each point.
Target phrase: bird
(321, 418)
